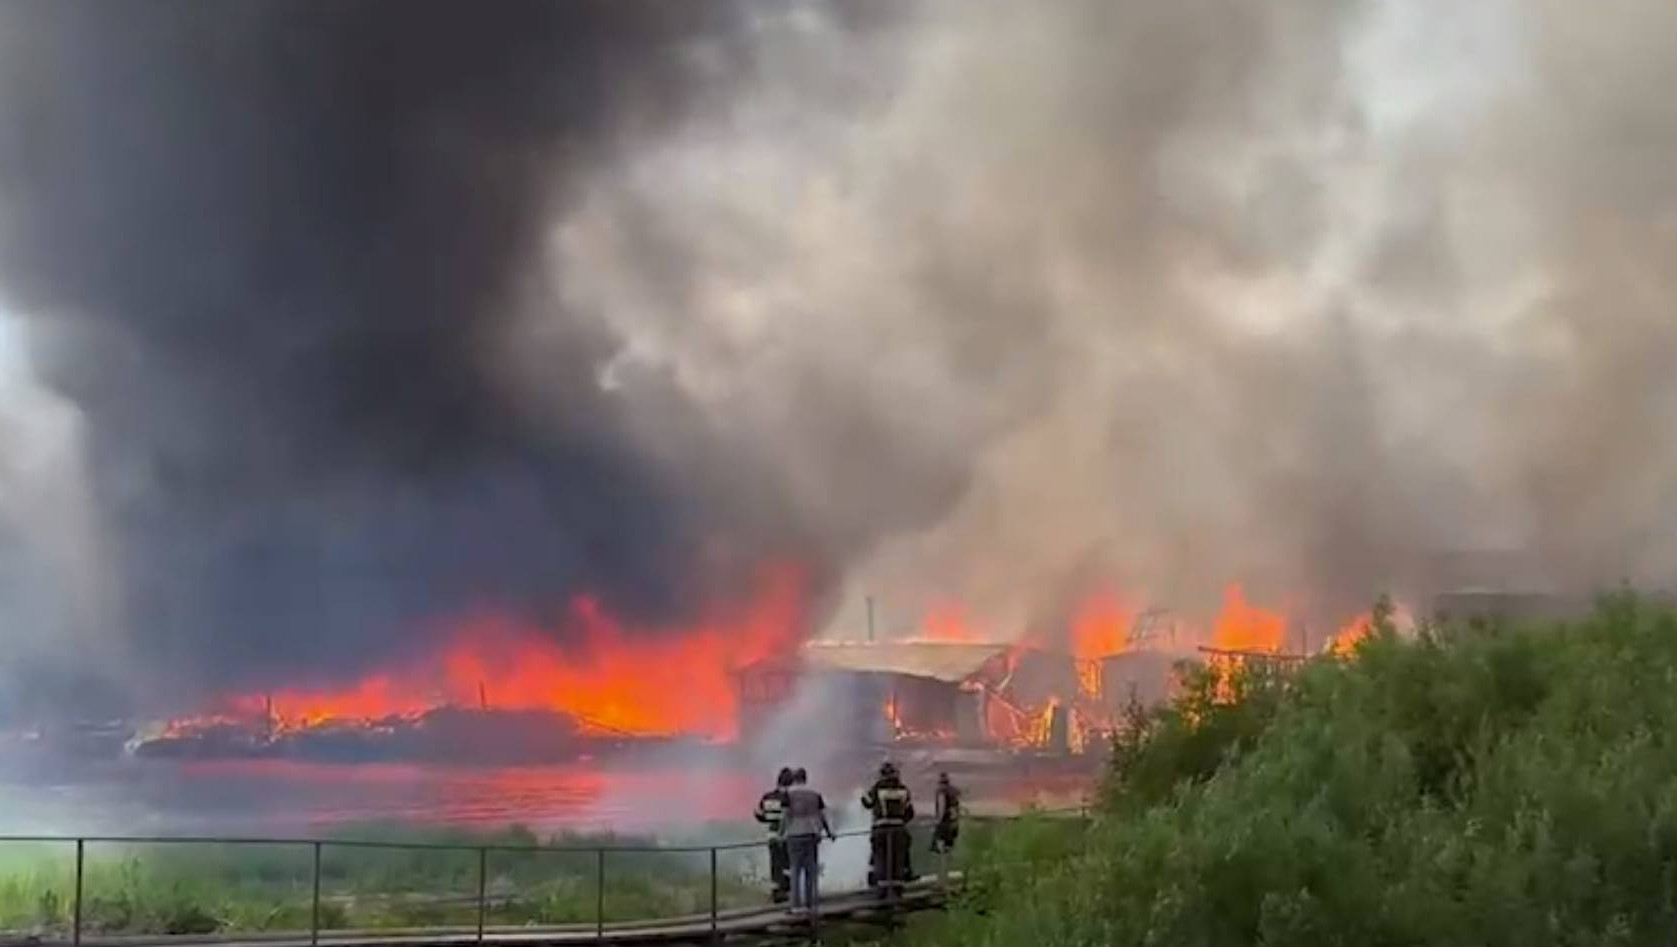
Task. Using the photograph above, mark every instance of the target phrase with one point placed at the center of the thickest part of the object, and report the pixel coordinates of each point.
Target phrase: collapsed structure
(960, 700)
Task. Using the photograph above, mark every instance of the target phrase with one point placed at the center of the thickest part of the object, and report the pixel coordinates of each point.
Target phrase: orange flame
(1101, 628)
(1241, 626)
(1353, 631)
(1362, 626)
(661, 682)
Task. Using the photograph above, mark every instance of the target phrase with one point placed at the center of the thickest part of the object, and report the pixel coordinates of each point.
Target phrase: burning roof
(940, 661)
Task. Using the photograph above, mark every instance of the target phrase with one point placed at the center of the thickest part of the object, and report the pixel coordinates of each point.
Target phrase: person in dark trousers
(892, 806)
(803, 826)
(947, 804)
(771, 810)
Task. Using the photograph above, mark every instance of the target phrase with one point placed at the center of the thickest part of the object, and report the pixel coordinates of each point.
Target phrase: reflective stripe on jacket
(771, 809)
(890, 802)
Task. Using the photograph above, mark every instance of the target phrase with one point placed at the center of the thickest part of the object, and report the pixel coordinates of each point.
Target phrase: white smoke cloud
(57, 593)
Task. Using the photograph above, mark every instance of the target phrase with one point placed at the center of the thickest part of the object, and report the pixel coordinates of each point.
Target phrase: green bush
(1472, 784)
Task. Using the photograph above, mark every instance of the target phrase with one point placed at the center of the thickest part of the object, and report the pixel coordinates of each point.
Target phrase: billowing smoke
(1165, 297)
(362, 314)
(260, 257)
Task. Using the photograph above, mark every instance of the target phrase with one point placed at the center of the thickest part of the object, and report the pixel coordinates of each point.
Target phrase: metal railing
(891, 891)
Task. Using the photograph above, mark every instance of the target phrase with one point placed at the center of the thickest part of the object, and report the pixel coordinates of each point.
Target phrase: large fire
(644, 682)
(1105, 625)
(605, 678)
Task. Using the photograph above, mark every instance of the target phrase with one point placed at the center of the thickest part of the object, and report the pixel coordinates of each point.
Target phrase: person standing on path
(804, 824)
(947, 803)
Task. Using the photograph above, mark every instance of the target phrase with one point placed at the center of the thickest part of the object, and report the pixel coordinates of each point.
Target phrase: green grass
(200, 888)
(1475, 784)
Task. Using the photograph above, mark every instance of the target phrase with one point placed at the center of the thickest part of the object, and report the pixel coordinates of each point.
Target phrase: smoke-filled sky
(322, 323)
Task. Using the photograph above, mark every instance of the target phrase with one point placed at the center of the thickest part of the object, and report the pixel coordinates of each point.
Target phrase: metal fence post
(76, 935)
(482, 888)
(893, 890)
(815, 892)
(314, 913)
(600, 894)
(713, 934)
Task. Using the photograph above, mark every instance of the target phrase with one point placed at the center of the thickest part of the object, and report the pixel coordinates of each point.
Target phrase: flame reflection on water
(283, 797)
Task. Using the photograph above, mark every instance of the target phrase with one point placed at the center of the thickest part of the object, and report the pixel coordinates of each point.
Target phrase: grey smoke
(1169, 296)
(371, 312)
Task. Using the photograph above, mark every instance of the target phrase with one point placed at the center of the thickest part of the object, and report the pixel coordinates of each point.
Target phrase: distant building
(1505, 604)
(1507, 584)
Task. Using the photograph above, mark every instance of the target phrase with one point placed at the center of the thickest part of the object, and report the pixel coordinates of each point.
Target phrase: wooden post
(600, 894)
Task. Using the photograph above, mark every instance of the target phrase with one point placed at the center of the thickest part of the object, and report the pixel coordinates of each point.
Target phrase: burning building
(920, 690)
(506, 693)
(941, 696)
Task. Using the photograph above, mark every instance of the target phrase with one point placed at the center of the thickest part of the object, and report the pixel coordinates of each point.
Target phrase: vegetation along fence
(102, 888)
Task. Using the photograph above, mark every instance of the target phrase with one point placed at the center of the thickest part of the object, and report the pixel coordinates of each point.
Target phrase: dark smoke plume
(263, 251)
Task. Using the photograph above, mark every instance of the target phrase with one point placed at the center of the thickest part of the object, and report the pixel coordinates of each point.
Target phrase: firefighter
(771, 809)
(947, 804)
(893, 808)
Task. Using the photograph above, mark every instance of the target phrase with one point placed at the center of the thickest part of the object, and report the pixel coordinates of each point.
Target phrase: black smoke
(264, 247)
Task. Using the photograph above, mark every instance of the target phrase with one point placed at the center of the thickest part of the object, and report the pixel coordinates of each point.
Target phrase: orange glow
(1362, 626)
(1042, 728)
(1354, 631)
(948, 623)
(906, 729)
(1007, 723)
(1101, 628)
(652, 682)
(1241, 626)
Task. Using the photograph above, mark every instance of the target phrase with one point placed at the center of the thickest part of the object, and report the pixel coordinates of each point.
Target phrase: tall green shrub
(1470, 784)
